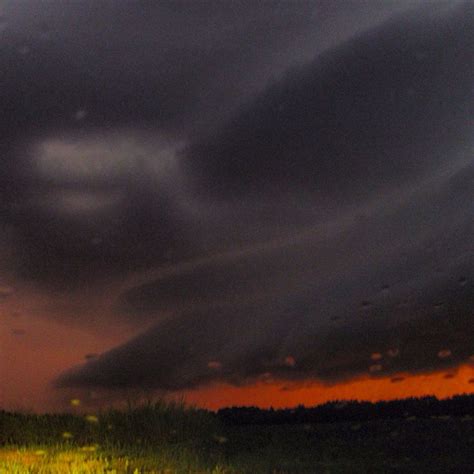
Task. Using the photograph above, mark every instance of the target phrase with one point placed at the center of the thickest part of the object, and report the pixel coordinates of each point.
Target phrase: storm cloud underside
(273, 196)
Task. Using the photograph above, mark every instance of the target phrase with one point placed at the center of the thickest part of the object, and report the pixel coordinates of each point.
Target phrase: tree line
(353, 411)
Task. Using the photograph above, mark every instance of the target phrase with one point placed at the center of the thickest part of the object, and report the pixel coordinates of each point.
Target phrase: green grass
(94, 460)
(157, 437)
(172, 438)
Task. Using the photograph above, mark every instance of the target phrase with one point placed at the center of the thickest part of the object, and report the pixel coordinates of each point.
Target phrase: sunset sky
(237, 202)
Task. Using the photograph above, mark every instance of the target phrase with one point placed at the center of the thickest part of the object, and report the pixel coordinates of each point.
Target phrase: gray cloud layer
(397, 282)
(289, 182)
(116, 68)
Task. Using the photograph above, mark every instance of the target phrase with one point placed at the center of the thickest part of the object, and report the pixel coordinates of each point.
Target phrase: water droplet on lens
(444, 353)
(375, 368)
(23, 50)
(44, 32)
(214, 365)
(376, 356)
(6, 291)
(397, 379)
(80, 114)
(92, 419)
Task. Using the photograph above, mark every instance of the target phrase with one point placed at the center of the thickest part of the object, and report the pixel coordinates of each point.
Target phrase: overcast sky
(251, 189)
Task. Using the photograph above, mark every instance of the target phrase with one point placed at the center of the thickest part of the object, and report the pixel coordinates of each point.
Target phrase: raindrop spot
(24, 50)
(6, 291)
(397, 379)
(214, 365)
(92, 419)
(266, 376)
(18, 332)
(375, 368)
(80, 114)
(220, 439)
(444, 353)
(96, 241)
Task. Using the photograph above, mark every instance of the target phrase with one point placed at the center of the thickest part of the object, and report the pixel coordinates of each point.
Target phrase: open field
(170, 438)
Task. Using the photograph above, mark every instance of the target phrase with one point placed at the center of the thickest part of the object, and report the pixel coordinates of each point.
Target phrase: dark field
(162, 437)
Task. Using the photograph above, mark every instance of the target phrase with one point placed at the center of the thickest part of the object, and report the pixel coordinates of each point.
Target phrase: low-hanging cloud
(376, 136)
(273, 191)
(399, 285)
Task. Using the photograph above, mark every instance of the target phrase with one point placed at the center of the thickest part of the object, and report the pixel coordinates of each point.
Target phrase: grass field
(172, 438)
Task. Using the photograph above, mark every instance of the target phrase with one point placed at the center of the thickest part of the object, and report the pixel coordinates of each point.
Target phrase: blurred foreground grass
(172, 438)
(93, 460)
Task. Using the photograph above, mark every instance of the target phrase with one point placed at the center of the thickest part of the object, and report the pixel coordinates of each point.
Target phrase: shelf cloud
(260, 190)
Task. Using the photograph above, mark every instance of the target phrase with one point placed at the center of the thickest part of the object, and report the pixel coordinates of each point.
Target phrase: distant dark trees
(352, 411)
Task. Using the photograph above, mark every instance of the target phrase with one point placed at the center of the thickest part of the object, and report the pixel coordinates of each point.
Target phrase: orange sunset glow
(283, 395)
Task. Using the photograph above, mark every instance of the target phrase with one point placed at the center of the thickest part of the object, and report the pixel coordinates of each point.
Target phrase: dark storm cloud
(373, 113)
(398, 285)
(379, 132)
(276, 341)
(289, 223)
(174, 65)
(168, 69)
